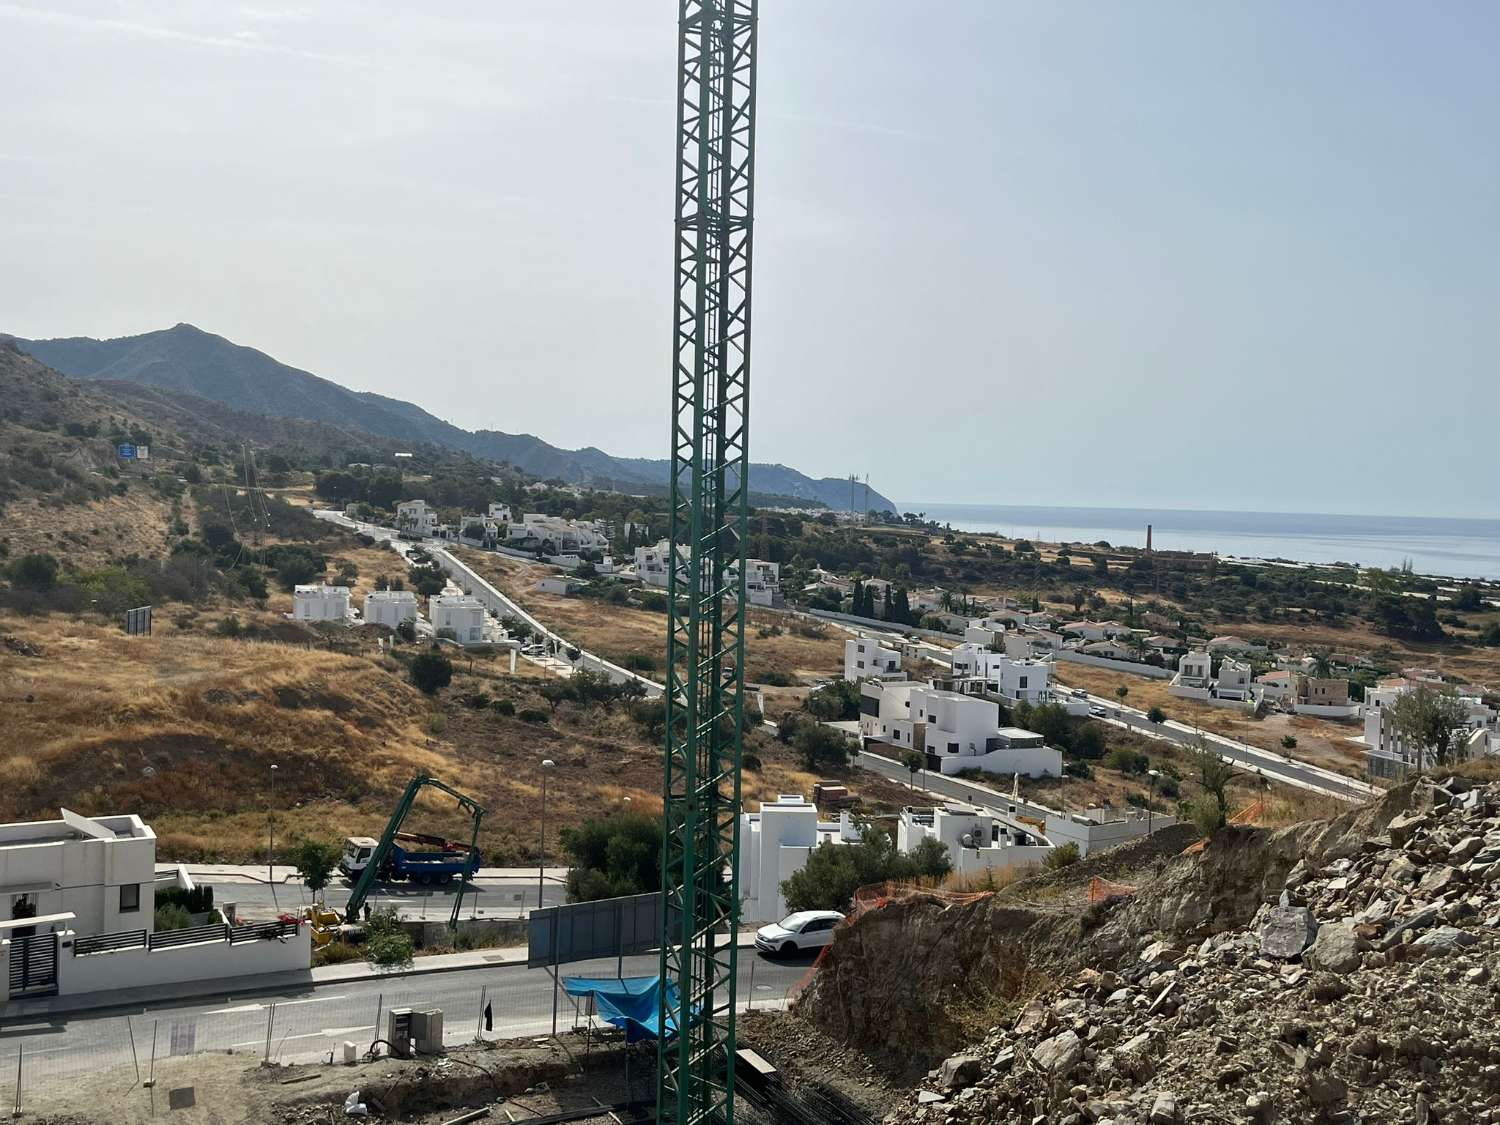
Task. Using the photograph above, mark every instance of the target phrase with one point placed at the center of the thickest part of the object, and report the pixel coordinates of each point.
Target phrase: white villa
(553, 535)
(976, 838)
(774, 845)
(977, 670)
(955, 731)
(414, 517)
(99, 870)
(390, 607)
(320, 603)
(866, 659)
(1387, 753)
(463, 614)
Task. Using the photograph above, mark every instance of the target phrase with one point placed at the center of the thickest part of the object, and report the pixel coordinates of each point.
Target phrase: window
(130, 897)
(1023, 683)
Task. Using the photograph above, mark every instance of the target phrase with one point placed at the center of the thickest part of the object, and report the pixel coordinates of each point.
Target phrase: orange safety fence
(1247, 815)
(873, 897)
(1101, 889)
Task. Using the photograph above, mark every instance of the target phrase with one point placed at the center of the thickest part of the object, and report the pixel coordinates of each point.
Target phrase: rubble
(1363, 991)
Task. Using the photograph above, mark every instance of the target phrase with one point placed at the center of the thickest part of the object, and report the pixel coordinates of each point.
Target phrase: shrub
(407, 631)
(387, 946)
(229, 626)
(833, 872)
(613, 856)
(172, 917)
(1126, 760)
(773, 678)
(1065, 855)
(478, 700)
(1288, 742)
(532, 715)
(431, 671)
(503, 707)
(437, 723)
(1156, 715)
(822, 749)
(35, 572)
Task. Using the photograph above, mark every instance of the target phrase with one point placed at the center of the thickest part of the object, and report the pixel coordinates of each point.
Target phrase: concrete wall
(1150, 671)
(218, 960)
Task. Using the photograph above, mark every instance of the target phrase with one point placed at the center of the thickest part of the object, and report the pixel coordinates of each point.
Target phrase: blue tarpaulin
(630, 1003)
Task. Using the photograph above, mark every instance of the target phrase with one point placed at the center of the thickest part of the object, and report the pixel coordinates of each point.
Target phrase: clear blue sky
(1235, 255)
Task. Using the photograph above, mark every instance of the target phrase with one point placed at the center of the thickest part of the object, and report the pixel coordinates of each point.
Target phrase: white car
(806, 929)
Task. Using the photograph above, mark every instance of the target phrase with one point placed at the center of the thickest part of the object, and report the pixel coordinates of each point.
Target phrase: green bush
(1064, 855)
(502, 707)
(833, 872)
(773, 678)
(532, 715)
(431, 671)
(387, 946)
(199, 900)
(171, 917)
(1126, 760)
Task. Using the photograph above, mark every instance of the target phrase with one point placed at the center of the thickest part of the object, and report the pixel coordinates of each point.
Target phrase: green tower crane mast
(706, 573)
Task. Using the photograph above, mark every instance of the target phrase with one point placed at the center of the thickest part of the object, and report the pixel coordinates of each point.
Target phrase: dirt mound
(1344, 970)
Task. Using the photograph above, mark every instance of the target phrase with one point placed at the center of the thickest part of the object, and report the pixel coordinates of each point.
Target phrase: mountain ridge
(188, 359)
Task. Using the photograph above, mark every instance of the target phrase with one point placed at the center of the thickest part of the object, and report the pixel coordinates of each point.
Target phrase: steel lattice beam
(706, 582)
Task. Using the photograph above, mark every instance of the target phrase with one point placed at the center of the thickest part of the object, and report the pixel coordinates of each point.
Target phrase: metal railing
(104, 943)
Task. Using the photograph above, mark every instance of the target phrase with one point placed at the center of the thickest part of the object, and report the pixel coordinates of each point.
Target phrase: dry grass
(95, 533)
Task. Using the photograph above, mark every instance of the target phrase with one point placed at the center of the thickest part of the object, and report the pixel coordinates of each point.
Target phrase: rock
(1466, 849)
(1419, 920)
(1161, 951)
(1258, 1106)
(1059, 1054)
(1285, 931)
(1164, 1109)
(1445, 939)
(1005, 1058)
(1337, 948)
(1406, 826)
(927, 1097)
(959, 1071)
(1325, 1089)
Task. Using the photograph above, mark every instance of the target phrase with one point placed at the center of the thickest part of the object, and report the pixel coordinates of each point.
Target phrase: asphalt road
(304, 1024)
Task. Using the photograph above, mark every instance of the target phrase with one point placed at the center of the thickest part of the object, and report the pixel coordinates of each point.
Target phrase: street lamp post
(541, 864)
(271, 834)
(1151, 804)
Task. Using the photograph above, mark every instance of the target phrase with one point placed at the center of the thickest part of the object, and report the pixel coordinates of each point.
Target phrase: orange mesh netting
(1101, 889)
(1247, 815)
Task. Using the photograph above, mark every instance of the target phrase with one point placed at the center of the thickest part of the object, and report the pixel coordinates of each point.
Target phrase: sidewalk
(283, 874)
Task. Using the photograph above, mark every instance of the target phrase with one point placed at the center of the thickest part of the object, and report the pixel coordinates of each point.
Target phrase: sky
(1173, 254)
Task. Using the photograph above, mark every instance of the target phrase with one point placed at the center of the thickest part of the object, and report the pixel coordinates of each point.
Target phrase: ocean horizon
(1447, 546)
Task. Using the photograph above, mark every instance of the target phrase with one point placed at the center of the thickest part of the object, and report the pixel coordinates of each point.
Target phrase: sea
(1457, 548)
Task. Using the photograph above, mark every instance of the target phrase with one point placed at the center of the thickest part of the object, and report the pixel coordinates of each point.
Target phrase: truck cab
(357, 853)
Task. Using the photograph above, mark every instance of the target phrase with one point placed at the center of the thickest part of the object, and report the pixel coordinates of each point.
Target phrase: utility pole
(709, 486)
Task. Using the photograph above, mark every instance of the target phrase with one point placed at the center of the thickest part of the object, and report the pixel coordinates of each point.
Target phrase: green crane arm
(371, 872)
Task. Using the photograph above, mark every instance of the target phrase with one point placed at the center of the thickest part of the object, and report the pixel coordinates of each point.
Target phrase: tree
(1428, 719)
(1156, 716)
(387, 945)
(1121, 692)
(822, 749)
(1214, 774)
(474, 530)
(1468, 597)
(833, 872)
(1322, 664)
(431, 671)
(613, 856)
(35, 572)
(315, 861)
(407, 631)
(913, 760)
(838, 701)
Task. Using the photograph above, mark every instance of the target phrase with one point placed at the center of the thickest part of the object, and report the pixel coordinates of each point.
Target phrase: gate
(33, 965)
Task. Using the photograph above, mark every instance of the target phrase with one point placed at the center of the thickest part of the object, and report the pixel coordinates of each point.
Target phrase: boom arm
(371, 872)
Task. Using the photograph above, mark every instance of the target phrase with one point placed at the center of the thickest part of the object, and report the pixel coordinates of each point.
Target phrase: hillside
(187, 359)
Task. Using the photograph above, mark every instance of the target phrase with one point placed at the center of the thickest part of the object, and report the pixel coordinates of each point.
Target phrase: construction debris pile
(1368, 993)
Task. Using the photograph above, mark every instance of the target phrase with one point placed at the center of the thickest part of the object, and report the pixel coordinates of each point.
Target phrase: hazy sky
(1229, 255)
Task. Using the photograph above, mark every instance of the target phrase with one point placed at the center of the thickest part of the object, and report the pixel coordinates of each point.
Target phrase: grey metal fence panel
(582, 931)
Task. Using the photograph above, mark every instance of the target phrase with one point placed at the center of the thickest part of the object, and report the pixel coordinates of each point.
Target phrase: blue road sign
(126, 451)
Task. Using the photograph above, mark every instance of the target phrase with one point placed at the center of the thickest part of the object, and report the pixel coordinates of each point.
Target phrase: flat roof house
(320, 603)
(99, 869)
(390, 607)
(462, 614)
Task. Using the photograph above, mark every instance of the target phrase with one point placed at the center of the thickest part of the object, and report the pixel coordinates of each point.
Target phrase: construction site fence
(53, 1063)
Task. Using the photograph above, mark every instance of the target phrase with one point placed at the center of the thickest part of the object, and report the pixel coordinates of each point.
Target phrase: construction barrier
(1101, 889)
(1246, 816)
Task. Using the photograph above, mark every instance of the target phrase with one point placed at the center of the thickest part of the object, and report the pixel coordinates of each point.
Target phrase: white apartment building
(977, 839)
(866, 659)
(1388, 755)
(774, 845)
(100, 870)
(320, 603)
(652, 564)
(499, 513)
(414, 517)
(390, 607)
(463, 614)
(955, 731)
(977, 671)
(762, 581)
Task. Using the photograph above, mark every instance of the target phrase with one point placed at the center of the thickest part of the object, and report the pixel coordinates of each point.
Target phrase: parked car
(533, 650)
(806, 929)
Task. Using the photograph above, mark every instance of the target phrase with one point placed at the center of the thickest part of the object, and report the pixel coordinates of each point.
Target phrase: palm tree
(1322, 664)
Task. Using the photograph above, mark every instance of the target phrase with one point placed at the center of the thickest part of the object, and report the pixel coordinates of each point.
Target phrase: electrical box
(398, 1031)
(427, 1031)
